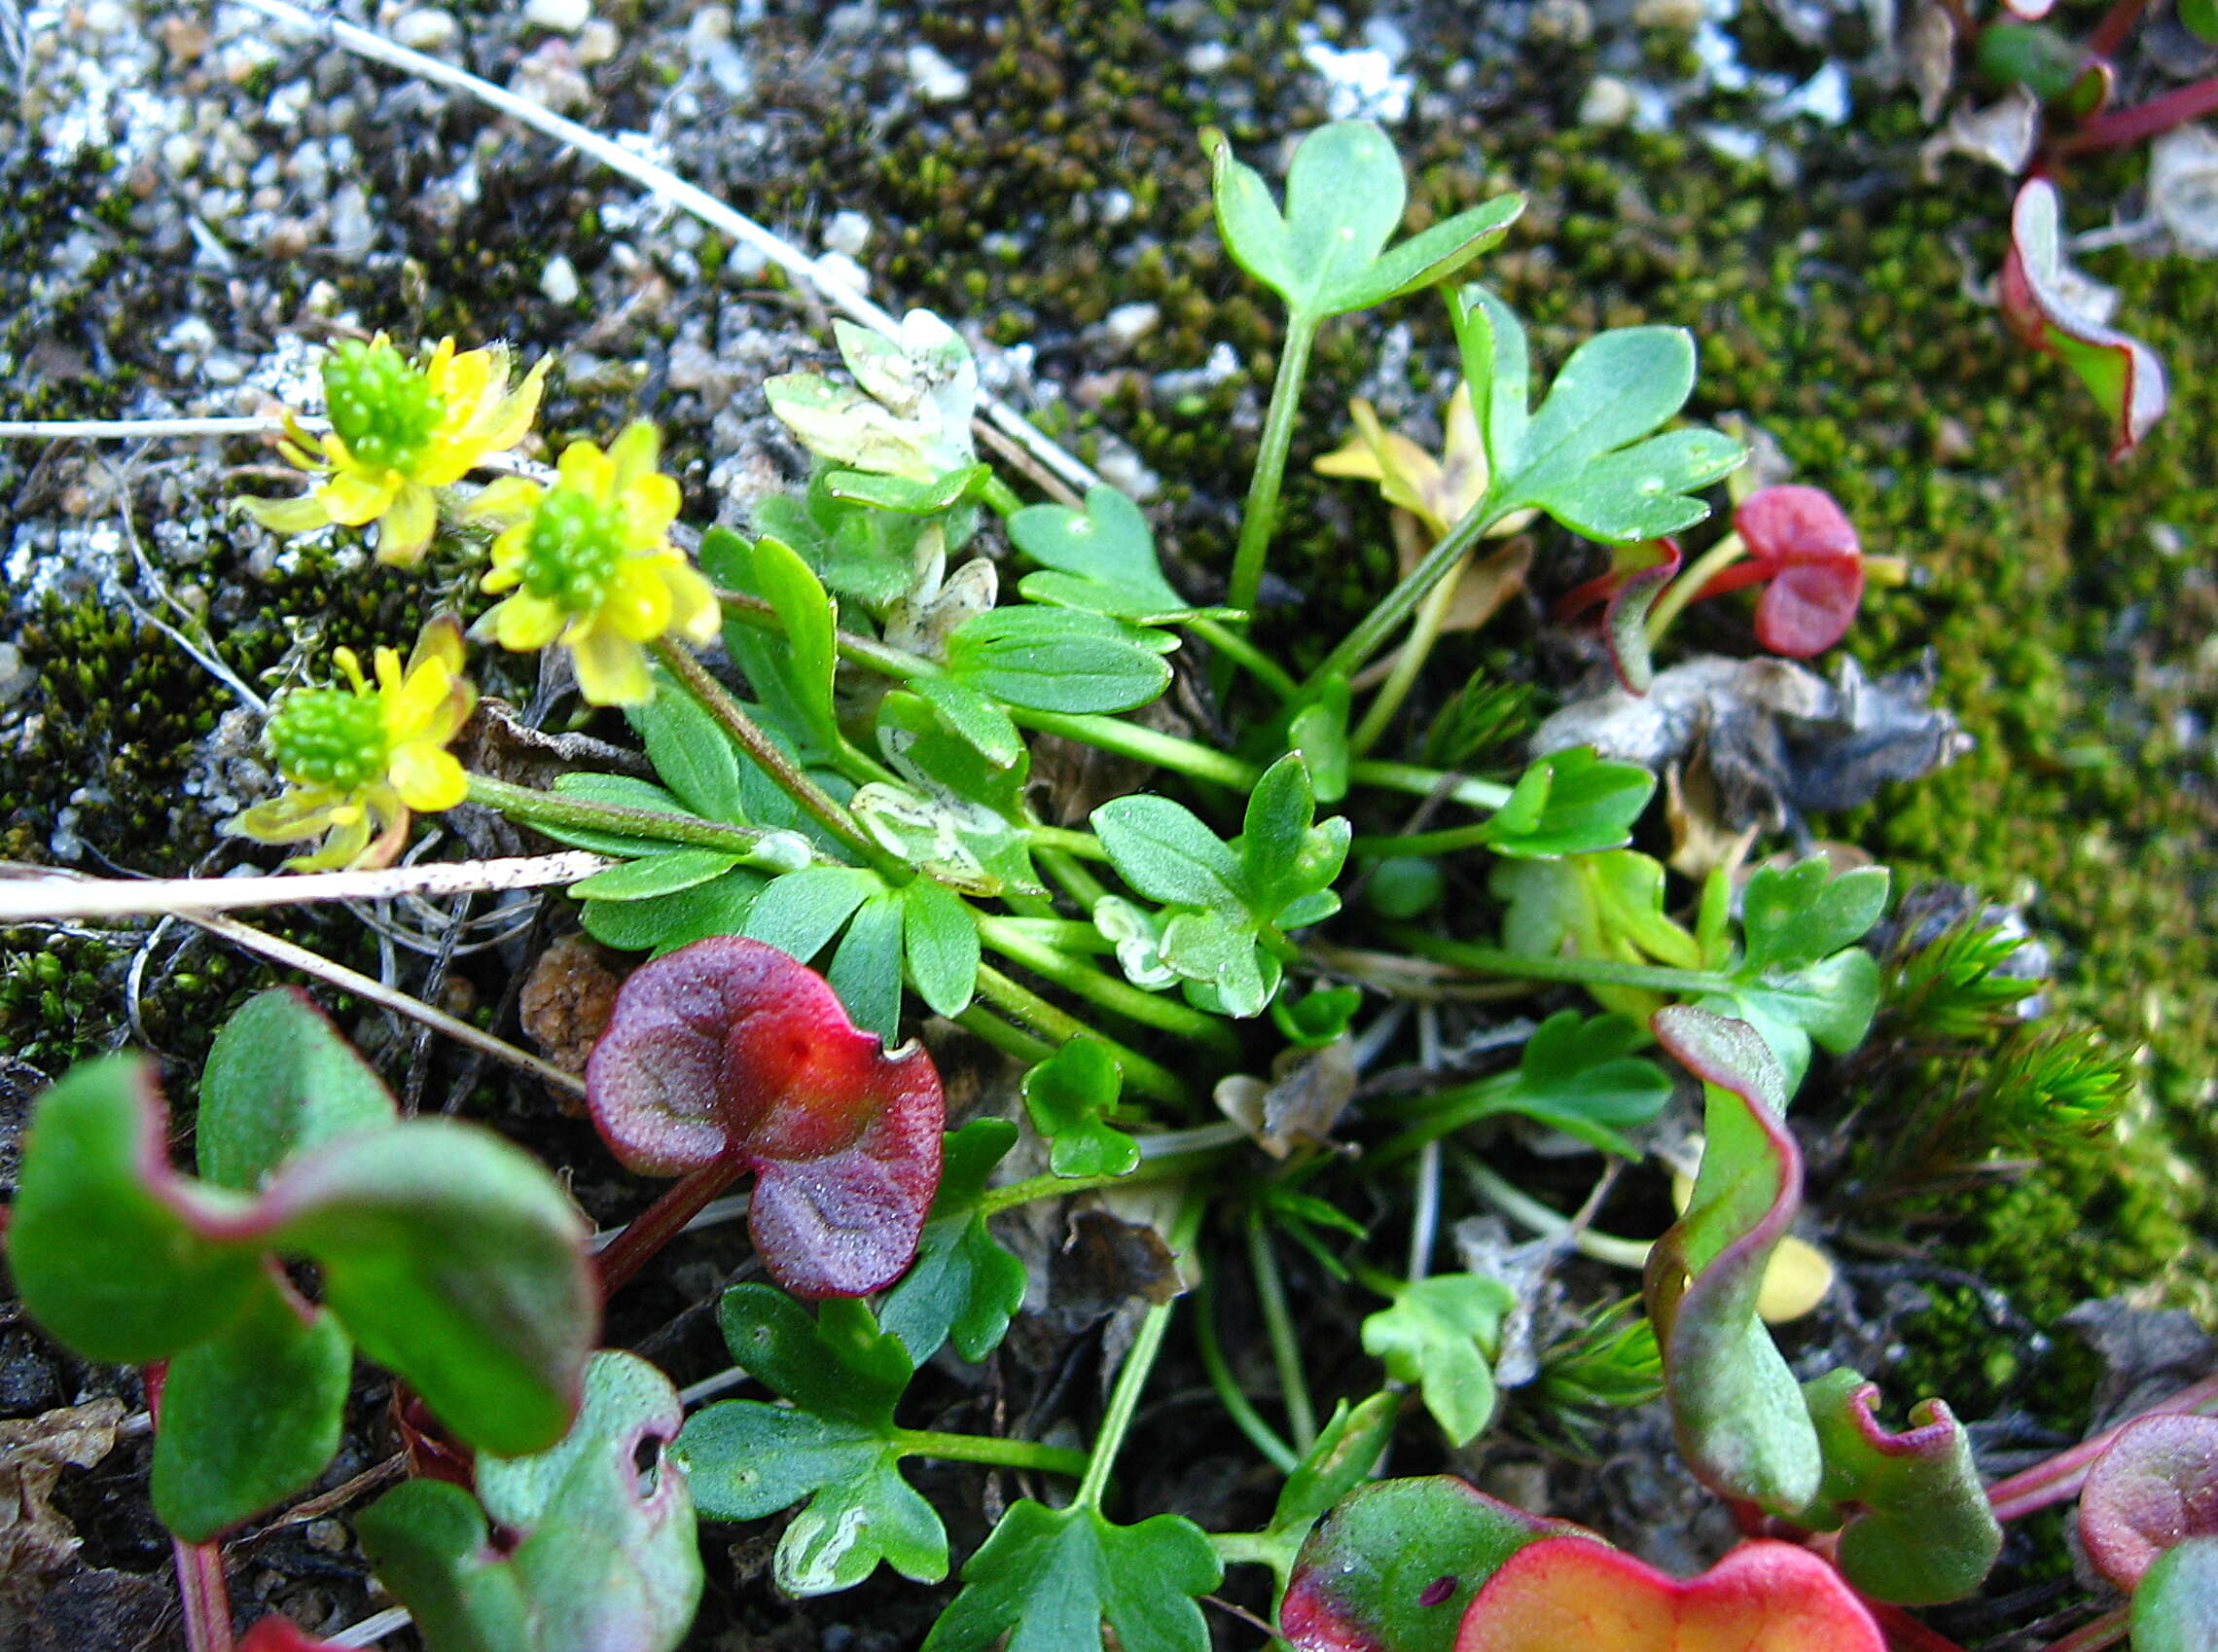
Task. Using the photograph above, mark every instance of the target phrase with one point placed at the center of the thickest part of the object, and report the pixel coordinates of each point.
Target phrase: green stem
(535, 807)
(1398, 604)
(1085, 844)
(1580, 972)
(1261, 513)
(730, 716)
(1081, 884)
(1279, 1330)
(1253, 1548)
(1060, 1026)
(1147, 1343)
(858, 650)
(1128, 739)
(1243, 653)
(1602, 1247)
(1149, 1009)
(1444, 842)
(1000, 499)
(1415, 652)
(1237, 1406)
(1164, 1168)
(1009, 1039)
(1689, 585)
(1066, 934)
(987, 1448)
(1424, 782)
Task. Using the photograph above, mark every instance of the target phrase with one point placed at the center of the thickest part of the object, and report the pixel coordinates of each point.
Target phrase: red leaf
(1568, 1593)
(277, 1633)
(1809, 551)
(2153, 1490)
(730, 1048)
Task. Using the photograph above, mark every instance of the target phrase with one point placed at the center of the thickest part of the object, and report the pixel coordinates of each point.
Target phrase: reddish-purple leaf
(2051, 306)
(2153, 1490)
(278, 1634)
(1637, 574)
(729, 1050)
(1808, 552)
(1568, 1593)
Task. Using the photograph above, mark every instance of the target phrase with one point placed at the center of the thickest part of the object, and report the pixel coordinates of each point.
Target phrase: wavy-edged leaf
(729, 1048)
(1735, 1406)
(1916, 1525)
(1571, 803)
(2155, 1488)
(1441, 1332)
(279, 1079)
(1069, 1098)
(599, 1551)
(1396, 1563)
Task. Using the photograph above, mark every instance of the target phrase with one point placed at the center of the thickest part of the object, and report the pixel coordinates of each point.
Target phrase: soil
(201, 197)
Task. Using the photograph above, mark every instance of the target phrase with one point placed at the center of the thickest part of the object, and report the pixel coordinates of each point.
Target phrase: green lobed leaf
(1396, 1563)
(665, 922)
(1220, 954)
(1497, 366)
(1059, 660)
(454, 1260)
(1060, 1580)
(1283, 856)
(940, 939)
(599, 1551)
(973, 717)
(903, 495)
(1317, 734)
(1915, 1524)
(1432, 256)
(965, 1284)
(2175, 1608)
(1069, 1098)
(1349, 1448)
(1739, 1415)
(650, 875)
(866, 966)
(1801, 914)
(251, 1415)
(280, 1079)
(811, 622)
(800, 913)
(839, 1445)
(692, 756)
(860, 552)
(2200, 18)
(1575, 1075)
(1101, 558)
(1164, 851)
(1571, 803)
(916, 733)
(1441, 1332)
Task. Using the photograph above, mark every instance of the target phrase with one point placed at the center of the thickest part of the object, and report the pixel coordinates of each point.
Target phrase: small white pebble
(558, 280)
(935, 79)
(597, 41)
(564, 17)
(426, 29)
(1608, 102)
(1207, 57)
(848, 232)
(1128, 323)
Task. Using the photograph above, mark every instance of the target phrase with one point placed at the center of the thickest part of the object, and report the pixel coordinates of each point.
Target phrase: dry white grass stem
(40, 899)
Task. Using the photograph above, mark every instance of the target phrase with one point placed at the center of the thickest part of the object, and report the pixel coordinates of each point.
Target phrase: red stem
(2062, 1475)
(664, 1219)
(2123, 127)
(2117, 24)
(1739, 576)
(200, 1586)
(1904, 1632)
(2106, 1630)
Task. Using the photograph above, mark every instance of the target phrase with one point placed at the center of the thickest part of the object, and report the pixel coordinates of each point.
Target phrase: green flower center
(329, 737)
(382, 409)
(572, 549)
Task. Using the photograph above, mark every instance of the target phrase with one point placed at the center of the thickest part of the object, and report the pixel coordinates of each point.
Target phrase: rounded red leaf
(2155, 1488)
(1809, 553)
(729, 1048)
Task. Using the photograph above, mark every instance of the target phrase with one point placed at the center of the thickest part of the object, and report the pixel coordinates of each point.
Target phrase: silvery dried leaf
(2183, 188)
(2001, 134)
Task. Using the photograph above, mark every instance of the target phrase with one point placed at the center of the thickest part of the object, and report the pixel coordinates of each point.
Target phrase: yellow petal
(344, 847)
(299, 457)
(583, 466)
(287, 819)
(413, 705)
(638, 601)
(524, 624)
(1794, 1281)
(694, 612)
(651, 505)
(440, 639)
(461, 383)
(403, 532)
(288, 516)
(612, 669)
(634, 451)
(506, 501)
(427, 777)
(352, 497)
(517, 410)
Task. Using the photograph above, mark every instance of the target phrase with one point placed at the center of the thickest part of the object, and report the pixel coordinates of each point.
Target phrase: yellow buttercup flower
(1436, 491)
(358, 760)
(398, 432)
(589, 565)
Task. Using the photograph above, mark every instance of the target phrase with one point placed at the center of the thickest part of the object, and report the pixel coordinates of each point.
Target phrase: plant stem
(1009, 1039)
(1279, 1330)
(1069, 934)
(1261, 513)
(1479, 959)
(535, 807)
(1243, 653)
(1000, 499)
(1155, 1167)
(1237, 1406)
(1602, 1247)
(1139, 1361)
(201, 1591)
(1398, 604)
(1424, 1222)
(1060, 1026)
(1122, 998)
(2123, 127)
(815, 801)
(2092, 1637)
(2063, 1474)
(2117, 24)
(1084, 845)
(1689, 585)
(1081, 884)
(1418, 647)
(987, 1447)
(1424, 782)
(664, 1219)
(1129, 739)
